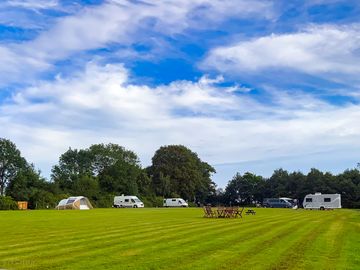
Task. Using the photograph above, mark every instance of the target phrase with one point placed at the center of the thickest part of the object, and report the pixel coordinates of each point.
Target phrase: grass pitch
(179, 239)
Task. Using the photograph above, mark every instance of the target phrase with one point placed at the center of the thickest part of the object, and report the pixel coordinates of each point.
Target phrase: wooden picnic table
(250, 211)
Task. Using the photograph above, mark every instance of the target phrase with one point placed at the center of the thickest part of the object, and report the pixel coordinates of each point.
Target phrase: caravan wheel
(135, 206)
(322, 208)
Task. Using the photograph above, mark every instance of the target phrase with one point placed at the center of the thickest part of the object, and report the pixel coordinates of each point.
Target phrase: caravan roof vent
(317, 193)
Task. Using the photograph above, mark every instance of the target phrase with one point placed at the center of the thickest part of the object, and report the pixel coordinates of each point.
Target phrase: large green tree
(101, 168)
(245, 189)
(11, 163)
(176, 170)
(73, 165)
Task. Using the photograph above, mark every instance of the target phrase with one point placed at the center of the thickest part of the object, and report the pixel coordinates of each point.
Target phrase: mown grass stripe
(276, 249)
(243, 251)
(230, 245)
(323, 252)
(108, 244)
(175, 238)
(84, 238)
(294, 256)
(182, 242)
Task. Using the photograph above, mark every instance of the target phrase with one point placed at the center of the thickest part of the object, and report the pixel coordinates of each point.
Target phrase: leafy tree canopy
(11, 163)
(176, 170)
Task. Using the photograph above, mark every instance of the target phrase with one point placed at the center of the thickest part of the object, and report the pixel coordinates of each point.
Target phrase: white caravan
(127, 201)
(175, 202)
(322, 201)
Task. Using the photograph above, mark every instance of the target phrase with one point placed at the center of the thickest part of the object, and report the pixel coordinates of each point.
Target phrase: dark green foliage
(251, 189)
(73, 164)
(104, 170)
(11, 163)
(29, 186)
(245, 189)
(177, 170)
(120, 178)
(7, 203)
(103, 200)
(87, 186)
(42, 199)
(98, 171)
(152, 201)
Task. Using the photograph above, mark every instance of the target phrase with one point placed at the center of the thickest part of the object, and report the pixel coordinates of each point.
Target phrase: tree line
(104, 170)
(248, 189)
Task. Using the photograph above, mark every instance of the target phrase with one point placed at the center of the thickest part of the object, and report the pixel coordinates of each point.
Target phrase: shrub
(152, 201)
(104, 201)
(7, 203)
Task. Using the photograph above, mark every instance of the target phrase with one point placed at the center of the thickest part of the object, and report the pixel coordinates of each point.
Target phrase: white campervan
(127, 201)
(175, 202)
(322, 201)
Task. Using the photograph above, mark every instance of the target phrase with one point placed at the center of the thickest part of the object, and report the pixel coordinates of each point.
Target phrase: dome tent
(74, 203)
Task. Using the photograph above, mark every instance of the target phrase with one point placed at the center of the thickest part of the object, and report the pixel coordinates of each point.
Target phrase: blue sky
(250, 85)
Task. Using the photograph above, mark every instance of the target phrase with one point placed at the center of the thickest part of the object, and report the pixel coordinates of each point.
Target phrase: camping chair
(221, 212)
(230, 212)
(208, 212)
(238, 212)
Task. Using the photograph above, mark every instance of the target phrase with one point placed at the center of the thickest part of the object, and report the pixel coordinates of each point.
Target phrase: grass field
(179, 239)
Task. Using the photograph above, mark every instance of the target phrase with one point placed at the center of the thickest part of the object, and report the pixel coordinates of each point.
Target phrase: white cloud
(318, 50)
(125, 21)
(31, 4)
(15, 66)
(100, 105)
(121, 22)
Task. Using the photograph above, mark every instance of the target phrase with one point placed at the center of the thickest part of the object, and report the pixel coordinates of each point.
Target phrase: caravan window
(132, 200)
(174, 200)
(327, 199)
(308, 199)
(126, 200)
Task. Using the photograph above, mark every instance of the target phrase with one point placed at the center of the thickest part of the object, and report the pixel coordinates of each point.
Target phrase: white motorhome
(175, 202)
(127, 201)
(322, 201)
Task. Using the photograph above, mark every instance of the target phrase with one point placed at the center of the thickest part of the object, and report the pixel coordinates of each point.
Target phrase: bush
(42, 199)
(7, 203)
(104, 201)
(192, 204)
(152, 201)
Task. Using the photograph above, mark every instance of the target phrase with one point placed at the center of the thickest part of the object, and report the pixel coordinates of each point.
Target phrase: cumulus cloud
(99, 104)
(318, 50)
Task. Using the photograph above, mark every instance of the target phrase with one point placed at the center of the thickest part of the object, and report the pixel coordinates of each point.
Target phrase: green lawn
(179, 239)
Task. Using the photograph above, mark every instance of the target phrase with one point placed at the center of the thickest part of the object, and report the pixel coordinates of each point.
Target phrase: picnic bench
(250, 211)
(223, 212)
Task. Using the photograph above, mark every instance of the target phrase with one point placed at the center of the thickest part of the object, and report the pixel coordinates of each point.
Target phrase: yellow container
(22, 205)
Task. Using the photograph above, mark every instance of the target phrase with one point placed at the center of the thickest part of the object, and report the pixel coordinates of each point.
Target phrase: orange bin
(22, 205)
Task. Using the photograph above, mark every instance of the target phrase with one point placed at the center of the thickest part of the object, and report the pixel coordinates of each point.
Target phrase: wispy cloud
(123, 22)
(326, 50)
(31, 4)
